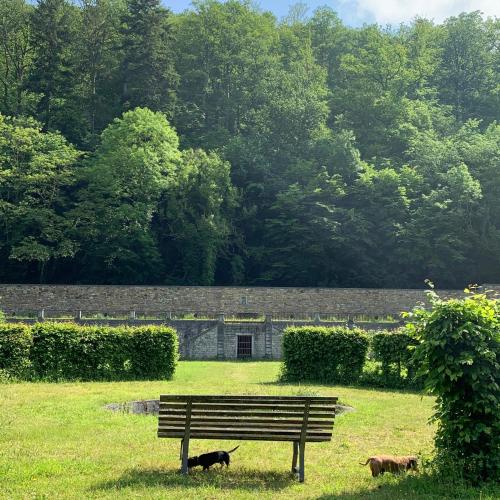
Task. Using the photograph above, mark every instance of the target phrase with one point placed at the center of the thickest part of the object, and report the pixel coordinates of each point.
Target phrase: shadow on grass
(418, 487)
(228, 479)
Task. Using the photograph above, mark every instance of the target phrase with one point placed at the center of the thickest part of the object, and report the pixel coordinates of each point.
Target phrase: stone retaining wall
(118, 300)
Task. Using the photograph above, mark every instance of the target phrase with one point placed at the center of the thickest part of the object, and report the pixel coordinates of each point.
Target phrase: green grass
(57, 441)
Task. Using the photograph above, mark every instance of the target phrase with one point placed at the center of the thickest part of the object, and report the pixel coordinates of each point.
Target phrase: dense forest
(224, 146)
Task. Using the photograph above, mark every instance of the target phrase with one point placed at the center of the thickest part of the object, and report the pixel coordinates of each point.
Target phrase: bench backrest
(259, 418)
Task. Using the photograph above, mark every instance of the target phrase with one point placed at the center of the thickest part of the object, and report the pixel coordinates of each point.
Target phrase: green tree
(98, 62)
(16, 56)
(36, 169)
(223, 52)
(468, 76)
(377, 209)
(136, 160)
(303, 235)
(54, 24)
(440, 238)
(147, 71)
(330, 40)
(193, 224)
(480, 152)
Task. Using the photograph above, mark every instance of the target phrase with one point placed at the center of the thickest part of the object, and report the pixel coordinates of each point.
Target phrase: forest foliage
(224, 146)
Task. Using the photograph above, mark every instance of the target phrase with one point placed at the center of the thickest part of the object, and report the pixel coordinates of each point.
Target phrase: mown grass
(57, 441)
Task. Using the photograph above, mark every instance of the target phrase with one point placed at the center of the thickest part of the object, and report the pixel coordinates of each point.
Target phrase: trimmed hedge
(66, 351)
(394, 350)
(15, 344)
(333, 355)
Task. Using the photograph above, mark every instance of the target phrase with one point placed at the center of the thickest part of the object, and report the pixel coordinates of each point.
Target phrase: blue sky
(357, 12)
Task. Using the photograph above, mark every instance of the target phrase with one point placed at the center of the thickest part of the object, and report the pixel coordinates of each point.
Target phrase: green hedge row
(66, 351)
(394, 351)
(333, 355)
(341, 355)
(15, 346)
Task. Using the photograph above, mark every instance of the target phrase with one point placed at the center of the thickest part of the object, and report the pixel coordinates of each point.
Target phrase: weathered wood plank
(247, 406)
(269, 416)
(244, 437)
(223, 398)
(252, 413)
(167, 421)
(245, 430)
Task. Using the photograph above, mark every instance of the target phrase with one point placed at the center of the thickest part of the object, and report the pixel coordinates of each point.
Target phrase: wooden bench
(298, 419)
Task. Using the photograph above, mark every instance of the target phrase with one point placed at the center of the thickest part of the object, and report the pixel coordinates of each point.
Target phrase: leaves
(36, 169)
(360, 157)
(330, 355)
(459, 353)
(66, 351)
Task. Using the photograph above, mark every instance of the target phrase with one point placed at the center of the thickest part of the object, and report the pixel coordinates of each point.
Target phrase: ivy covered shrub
(459, 356)
(394, 351)
(15, 344)
(66, 351)
(332, 355)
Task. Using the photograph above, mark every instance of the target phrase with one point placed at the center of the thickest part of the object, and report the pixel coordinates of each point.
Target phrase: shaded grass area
(57, 441)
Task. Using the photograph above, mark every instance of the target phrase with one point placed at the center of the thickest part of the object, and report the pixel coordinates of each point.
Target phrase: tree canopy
(224, 146)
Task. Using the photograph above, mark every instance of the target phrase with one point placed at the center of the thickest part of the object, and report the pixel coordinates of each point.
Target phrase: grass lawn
(57, 441)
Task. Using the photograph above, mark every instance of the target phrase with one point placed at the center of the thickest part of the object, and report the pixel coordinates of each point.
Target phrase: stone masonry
(119, 300)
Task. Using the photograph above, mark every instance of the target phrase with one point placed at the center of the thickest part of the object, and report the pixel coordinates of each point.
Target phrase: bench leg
(302, 450)
(185, 452)
(294, 457)
(185, 441)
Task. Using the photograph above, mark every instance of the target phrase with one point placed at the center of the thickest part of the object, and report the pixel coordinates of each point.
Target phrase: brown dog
(388, 463)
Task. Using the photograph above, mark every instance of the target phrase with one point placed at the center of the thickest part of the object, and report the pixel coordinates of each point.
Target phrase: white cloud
(396, 11)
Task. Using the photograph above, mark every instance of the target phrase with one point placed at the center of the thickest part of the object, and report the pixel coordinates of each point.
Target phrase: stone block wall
(197, 339)
(121, 300)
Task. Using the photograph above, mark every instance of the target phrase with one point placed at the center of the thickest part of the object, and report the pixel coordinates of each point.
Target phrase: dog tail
(234, 449)
(360, 463)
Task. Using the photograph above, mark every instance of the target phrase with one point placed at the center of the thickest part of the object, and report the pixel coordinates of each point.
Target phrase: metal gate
(244, 346)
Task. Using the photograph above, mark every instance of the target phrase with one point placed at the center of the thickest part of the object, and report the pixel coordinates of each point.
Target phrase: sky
(357, 12)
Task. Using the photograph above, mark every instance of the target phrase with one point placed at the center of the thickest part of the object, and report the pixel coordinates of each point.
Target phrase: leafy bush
(334, 355)
(64, 351)
(15, 343)
(459, 353)
(394, 350)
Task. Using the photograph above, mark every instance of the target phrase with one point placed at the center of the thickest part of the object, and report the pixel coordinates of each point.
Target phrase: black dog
(208, 459)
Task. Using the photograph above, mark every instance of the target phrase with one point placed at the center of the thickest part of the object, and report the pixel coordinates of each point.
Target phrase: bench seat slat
(250, 406)
(246, 430)
(245, 437)
(165, 421)
(244, 414)
(250, 399)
